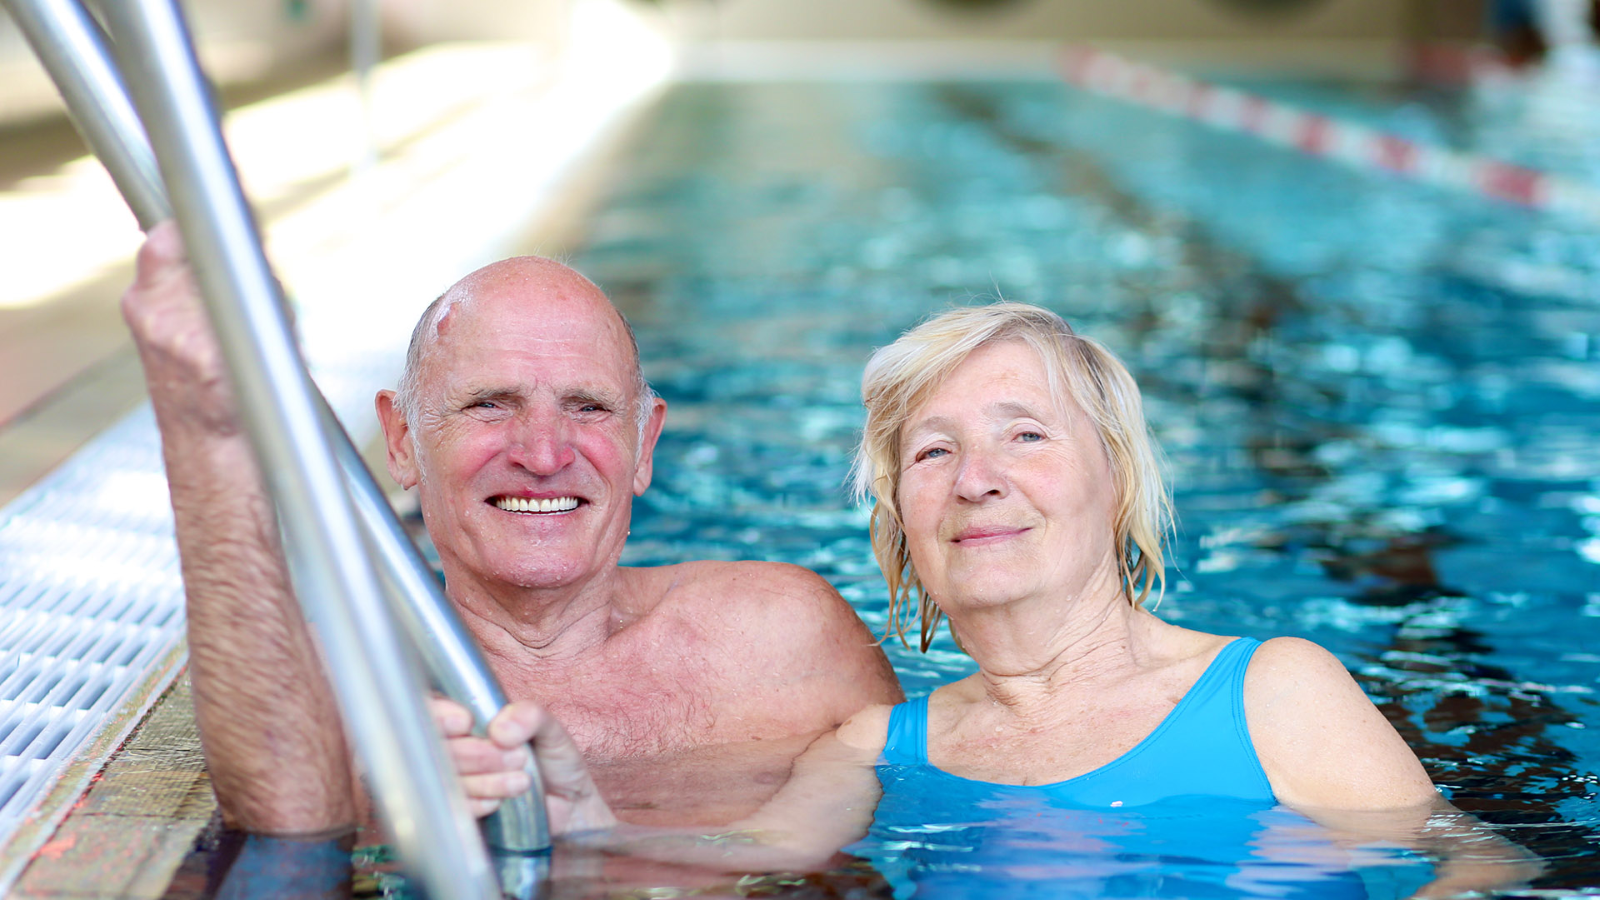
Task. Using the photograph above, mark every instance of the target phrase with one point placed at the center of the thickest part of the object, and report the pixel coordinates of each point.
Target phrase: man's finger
(450, 717)
(561, 763)
(515, 725)
(481, 808)
(496, 786)
(476, 756)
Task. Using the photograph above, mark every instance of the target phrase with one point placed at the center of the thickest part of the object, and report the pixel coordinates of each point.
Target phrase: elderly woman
(1018, 498)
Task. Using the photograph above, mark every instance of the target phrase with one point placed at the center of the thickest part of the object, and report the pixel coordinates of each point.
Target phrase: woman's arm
(1331, 755)
(1321, 741)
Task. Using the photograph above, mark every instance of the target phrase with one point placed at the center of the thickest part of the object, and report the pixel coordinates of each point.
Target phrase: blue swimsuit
(1187, 813)
(1202, 747)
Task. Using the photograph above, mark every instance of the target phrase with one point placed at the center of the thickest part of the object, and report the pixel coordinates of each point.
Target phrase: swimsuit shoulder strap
(907, 744)
(1202, 747)
(1208, 730)
(1216, 701)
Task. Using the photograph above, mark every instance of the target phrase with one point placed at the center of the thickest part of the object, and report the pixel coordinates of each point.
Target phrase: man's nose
(543, 445)
(980, 474)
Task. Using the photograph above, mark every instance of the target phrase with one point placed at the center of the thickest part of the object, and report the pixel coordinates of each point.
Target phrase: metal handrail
(366, 47)
(72, 49)
(379, 693)
(71, 46)
(449, 653)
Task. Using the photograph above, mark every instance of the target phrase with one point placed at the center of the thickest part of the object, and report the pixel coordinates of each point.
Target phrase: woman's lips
(985, 535)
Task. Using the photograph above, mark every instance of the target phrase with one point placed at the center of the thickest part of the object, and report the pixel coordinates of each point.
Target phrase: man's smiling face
(525, 446)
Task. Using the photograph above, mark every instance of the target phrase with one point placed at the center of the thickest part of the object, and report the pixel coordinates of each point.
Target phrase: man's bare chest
(629, 705)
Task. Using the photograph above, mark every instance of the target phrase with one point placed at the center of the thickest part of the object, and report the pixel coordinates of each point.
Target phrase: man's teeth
(522, 504)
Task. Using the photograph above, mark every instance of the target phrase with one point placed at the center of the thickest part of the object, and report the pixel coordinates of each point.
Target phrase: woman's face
(1005, 490)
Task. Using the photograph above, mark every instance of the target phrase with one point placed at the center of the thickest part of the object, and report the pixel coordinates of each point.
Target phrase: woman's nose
(980, 475)
(543, 447)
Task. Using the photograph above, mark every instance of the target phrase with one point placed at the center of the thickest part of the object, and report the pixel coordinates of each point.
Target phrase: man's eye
(1030, 436)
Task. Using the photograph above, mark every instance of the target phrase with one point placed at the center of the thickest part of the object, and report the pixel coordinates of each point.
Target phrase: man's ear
(397, 437)
(647, 446)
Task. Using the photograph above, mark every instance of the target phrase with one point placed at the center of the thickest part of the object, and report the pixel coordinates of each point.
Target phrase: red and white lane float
(1350, 143)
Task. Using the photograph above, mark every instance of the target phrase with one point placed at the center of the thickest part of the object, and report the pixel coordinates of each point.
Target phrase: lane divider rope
(1315, 134)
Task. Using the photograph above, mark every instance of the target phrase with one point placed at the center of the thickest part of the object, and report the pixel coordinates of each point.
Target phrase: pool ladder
(357, 574)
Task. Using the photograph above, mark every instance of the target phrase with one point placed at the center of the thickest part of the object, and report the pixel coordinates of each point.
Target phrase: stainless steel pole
(449, 652)
(366, 45)
(380, 696)
(73, 50)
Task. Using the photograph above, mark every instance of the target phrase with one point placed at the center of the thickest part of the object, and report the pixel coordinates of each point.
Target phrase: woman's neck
(1031, 651)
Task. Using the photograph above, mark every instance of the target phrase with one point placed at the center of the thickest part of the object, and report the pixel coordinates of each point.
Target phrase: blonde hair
(902, 376)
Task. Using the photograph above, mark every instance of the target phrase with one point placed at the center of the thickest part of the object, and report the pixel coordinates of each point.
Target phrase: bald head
(533, 283)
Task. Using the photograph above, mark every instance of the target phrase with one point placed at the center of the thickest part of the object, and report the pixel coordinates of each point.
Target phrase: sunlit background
(566, 70)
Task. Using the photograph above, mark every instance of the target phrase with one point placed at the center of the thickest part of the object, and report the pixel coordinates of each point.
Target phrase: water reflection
(982, 841)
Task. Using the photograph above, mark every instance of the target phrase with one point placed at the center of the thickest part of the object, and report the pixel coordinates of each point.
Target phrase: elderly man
(526, 427)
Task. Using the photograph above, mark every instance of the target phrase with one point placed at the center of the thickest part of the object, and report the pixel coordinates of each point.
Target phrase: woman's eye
(932, 453)
(1030, 436)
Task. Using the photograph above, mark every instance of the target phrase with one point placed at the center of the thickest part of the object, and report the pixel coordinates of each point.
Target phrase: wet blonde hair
(902, 376)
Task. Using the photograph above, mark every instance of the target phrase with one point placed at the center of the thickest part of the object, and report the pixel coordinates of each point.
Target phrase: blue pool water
(935, 836)
(1381, 405)
(1381, 402)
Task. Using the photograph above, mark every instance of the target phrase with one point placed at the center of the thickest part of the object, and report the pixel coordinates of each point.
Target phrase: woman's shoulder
(1296, 665)
(1177, 645)
(1291, 679)
(1320, 739)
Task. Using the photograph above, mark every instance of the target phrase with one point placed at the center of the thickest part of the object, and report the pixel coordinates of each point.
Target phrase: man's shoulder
(752, 598)
(748, 584)
(783, 630)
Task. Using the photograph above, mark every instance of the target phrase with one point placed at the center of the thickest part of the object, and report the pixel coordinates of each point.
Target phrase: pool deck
(127, 835)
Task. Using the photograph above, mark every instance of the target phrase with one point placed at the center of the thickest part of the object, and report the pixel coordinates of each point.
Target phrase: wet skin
(1002, 484)
(526, 398)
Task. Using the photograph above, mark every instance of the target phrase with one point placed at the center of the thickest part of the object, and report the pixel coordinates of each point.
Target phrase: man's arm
(272, 734)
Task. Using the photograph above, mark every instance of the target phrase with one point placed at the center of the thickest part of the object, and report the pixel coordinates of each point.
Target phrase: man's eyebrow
(500, 394)
(603, 397)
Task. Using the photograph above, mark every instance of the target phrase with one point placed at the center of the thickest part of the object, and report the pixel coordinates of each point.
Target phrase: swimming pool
(1380, 402)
